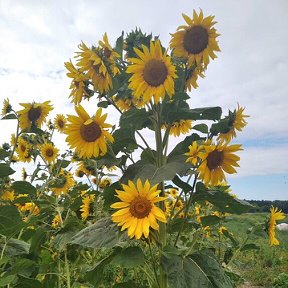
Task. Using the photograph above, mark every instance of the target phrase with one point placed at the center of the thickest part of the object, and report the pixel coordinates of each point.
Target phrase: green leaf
(109, 194)
(95, 275)
(9, 116)
(182, 147)
(120, 44)
(62, 163)
(103, 104)
(229, 235)
(15, 247)
(3, 154)
(129, 257)
(135, 118)
(24, 187)
(124, 139)
(128, 284)
(249, 246)
(5, 170)
(221, 127)
(207, 113)
(201, 127)
(103, 233)
(37, 240)
(144, 171)
(221, 199)
(181, 184)
(22, 267)
(184, 273)
(5, 280)
(10, 221)
(210, 220)
(25, 282)
(209, 264)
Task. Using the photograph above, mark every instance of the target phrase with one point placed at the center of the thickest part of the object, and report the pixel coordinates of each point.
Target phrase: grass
(259, 267)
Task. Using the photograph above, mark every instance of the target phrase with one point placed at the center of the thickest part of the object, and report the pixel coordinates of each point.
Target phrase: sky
(37, 37)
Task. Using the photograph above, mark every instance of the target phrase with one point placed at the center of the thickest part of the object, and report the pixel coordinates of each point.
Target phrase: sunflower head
(33, 114)
(56, 222)
(275, 215)
(49, 152)
(7, 108)
(60, 122)
(23, 150)
(196, 41)
(236, 122)
(153, 73)
(63, 183)
(217, 159)
(87, 200)
(137, 210)
(88, 135)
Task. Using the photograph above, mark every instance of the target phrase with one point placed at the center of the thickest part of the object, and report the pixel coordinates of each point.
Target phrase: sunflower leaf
(5, 170)
(24, 187)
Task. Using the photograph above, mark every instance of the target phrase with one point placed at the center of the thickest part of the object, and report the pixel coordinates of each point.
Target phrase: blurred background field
(266, 267)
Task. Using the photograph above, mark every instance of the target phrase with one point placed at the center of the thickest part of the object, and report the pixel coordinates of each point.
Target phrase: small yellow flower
(180, 127)
(60, 122)
(63, 183)
(222, 229)
(56, 222)
(49, 152)
(85, 207)
(8, 195)
(193, 154)
(105, 182)
(7, 108)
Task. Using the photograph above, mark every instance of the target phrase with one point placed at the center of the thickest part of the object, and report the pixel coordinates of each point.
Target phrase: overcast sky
(37, 37)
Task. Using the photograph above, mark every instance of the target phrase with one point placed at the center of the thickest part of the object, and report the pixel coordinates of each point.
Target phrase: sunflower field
(117, 209)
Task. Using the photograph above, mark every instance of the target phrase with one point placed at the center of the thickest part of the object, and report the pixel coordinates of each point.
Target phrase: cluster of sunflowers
(148, 85)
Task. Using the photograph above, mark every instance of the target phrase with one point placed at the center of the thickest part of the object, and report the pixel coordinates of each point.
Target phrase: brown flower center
(49, 152)
(107, 52)
(23, 148)
(196, 39)
(34, 114)
(90, 132)
(140, 207)
(215, 159)
(60, 123)
(155, 72)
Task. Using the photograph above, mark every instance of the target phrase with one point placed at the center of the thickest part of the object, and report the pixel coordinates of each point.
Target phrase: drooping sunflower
(95, 68)
(217, 159)
(33, 114)
(60, 122)
(105, 182)
(63, 183)
(192, 78)
(138, 211)
(7, 108)
(24, 174)
(85, 207)
(49, 152)
(236, 122)
(78, 84)
(109, 52)
(180, 127)
(23, 150)
(87, 134)
(275, 214)
(153, 73)
(196, 41)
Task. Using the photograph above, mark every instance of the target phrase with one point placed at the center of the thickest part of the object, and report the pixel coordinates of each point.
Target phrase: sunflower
(191, 80)
(87, 134)
(60, 122)
(173, 192)
(33, 114)
(78, 84)
(196, 41)
(274, 215)
(153, 73)
(236, 122)
(95, 68)
(24, 174)
(23, 150)
(56, 222)
(215, 160)
(193, 154)
(180, 127)
(7, 195)
(137, 208)
(85, 207)
(7, 108)
(49, 152)
(63, 183)
(105, 182)
(109, 52)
